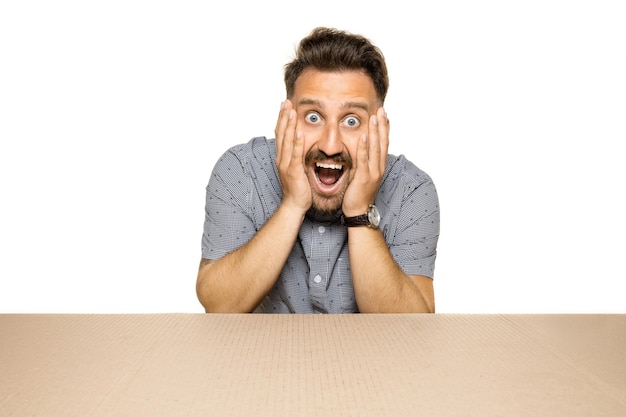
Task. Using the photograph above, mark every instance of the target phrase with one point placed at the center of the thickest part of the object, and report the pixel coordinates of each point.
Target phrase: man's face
(333, 114)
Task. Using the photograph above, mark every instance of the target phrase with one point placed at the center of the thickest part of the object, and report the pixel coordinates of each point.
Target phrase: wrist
(353, 213)
(369, 218)
(355, 210)
(291, 212)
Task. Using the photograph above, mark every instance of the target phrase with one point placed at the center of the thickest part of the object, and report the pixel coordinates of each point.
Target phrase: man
(321, 219)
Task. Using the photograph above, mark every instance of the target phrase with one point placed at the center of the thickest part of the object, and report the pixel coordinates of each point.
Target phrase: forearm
(380, 285)
(239, 281)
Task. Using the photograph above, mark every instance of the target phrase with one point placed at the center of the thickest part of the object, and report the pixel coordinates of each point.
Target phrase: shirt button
(317, 279)
(321, 229)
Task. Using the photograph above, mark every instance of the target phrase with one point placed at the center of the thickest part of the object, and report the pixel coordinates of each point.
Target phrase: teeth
(329, 166)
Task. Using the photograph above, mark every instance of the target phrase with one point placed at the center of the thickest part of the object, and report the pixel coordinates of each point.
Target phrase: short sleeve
(227, 224)
(412, 230)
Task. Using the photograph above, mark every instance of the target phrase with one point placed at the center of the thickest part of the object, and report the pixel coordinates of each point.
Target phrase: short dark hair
(329, 49)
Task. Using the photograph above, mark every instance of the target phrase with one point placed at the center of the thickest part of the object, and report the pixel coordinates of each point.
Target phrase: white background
(113, 113)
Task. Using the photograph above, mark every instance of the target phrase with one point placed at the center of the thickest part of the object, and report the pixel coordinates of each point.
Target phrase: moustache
(317, 155)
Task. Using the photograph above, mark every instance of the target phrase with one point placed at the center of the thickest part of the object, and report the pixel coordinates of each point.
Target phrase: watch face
(373, 216)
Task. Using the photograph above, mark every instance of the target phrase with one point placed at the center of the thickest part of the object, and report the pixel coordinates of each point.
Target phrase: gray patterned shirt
(244, 191)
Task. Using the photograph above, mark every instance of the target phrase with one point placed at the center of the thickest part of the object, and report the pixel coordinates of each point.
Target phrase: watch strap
(360, 220)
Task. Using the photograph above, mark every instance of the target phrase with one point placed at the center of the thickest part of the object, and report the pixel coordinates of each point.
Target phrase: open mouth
(328, 174)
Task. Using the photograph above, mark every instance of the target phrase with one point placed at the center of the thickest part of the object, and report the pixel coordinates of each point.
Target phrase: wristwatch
(370, 219)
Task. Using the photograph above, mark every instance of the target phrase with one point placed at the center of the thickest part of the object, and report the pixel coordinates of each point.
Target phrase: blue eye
(312, 118)
(352, 121)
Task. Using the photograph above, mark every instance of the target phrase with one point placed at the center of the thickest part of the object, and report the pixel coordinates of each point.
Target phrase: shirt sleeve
(227, 224)
(414, 230)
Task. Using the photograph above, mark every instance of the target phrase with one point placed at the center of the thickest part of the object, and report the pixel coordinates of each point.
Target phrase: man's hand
(290, 160)
(369, 166)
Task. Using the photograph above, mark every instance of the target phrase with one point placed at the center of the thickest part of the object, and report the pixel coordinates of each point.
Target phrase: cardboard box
(312, 365)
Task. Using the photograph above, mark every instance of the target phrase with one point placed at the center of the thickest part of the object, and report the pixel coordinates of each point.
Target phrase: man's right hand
(290, 160)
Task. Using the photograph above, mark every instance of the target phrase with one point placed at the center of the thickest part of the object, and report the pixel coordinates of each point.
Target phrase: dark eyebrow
(309, 102)
(357, 105)
(347, 104)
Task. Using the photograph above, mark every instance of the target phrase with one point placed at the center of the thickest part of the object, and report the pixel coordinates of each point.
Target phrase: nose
(331, 140)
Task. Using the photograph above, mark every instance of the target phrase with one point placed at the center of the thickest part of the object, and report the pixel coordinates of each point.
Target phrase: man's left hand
(369, 166)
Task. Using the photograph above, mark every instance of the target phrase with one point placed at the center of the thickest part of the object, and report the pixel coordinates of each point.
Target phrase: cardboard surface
(312, 365)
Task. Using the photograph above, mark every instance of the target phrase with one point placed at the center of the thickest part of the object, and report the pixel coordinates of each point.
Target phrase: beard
(324, 204)
(327, 204)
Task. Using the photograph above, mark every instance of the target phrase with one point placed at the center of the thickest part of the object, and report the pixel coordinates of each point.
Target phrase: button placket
(318, 277)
